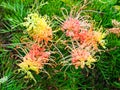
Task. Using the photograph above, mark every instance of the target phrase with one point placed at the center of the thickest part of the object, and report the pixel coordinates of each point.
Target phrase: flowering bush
(83, 42)
(59, 44)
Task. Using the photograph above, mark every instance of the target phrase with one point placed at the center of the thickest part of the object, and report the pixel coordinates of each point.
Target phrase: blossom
(38, 28)
(89, 61)
(71, 24)
(87, 39)
(34, 60)
(82, 58)
(99, 37)
(84, 33)
(92, 38)
(37, 52)
(72, 27)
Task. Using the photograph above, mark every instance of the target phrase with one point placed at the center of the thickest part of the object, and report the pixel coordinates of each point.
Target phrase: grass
(105, 75)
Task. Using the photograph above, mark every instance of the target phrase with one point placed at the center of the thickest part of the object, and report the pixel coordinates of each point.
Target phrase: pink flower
(72, 26)
(79, 57)
(36, 52)
(35, 59)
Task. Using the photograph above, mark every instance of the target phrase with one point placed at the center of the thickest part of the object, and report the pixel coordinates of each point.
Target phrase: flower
(38, 28)
(81, 31)
(71, 24)
(82, 58)
(89, 61)
(34, 60)
(29, 64)
(87, 39)
(37, 52)
(92, 38)
(73, 27)
(99, 37)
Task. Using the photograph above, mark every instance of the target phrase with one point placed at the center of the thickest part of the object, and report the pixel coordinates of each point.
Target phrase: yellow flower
(34, 60)
(99, 36)
(27, 65)
(89, 61)
(38, 28)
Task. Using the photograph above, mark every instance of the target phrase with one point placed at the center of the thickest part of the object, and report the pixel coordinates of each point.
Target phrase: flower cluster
(85, 43)
(34, 60)
(88, 39)
(38, 28)
(73, 27)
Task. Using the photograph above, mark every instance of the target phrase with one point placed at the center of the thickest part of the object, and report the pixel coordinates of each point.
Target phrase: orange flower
(87, 38)
(38, 28)
(34, 60)
(73, 27)
(92, 38)
(82, 58)
(37, 52)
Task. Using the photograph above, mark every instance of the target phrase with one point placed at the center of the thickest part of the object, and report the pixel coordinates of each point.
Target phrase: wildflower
(87, 38)
(82, 58)
(38, 28)
(72, 25)
(34, 60)
(29, 64)
(36, 52)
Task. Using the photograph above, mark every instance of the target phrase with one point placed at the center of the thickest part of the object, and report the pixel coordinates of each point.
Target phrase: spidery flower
(34, 60)
(38, 28)
(82, 58)
(73, 26)
(92, 38)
